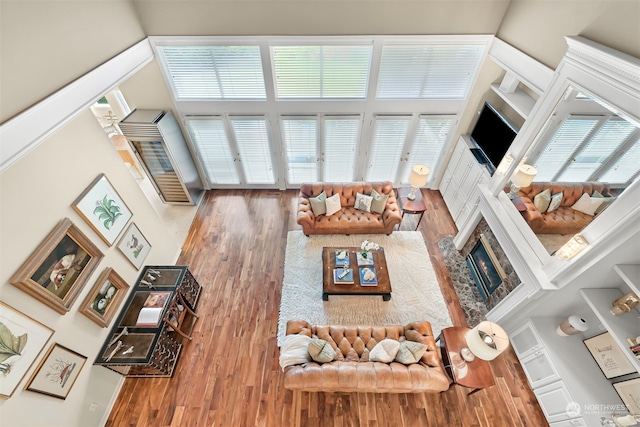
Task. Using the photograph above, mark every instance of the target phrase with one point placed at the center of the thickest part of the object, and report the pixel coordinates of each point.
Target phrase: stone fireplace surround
(474, 307)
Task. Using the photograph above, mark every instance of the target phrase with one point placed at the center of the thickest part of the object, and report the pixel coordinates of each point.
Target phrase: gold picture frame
(104, 299)
(57, 372)
(58, 269)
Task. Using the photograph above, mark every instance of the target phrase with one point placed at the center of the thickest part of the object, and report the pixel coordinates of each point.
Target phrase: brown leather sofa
(563, 220)
(348, 220)
(352, 371)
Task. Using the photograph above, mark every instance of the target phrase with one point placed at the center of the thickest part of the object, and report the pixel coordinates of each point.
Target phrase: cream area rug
(415, 292)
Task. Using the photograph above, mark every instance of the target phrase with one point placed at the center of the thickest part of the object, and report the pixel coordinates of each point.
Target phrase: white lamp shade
(419, 175)
(479, 339)
(524, 175)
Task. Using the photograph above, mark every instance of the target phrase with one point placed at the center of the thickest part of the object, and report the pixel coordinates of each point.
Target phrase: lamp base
(467, 354)
(513, 191)
(412, 195)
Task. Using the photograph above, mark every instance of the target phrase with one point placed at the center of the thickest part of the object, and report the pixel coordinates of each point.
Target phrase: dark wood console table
(161, 310)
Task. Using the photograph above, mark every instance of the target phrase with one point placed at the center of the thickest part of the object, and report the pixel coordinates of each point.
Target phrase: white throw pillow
(363, 202)
(410, 352)
(294, 350)
(333, 204)
(587, 205)
(556, 199)
(607, 201)
(385, 351)
(379, 202)
(319, 204)
(541, 200)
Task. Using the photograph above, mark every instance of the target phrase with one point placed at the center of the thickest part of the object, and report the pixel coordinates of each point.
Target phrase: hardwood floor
(228, 375)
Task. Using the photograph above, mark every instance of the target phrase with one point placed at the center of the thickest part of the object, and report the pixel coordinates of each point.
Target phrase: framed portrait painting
(22, 339)
(134, 246)
(57, 372)
(104, 299)
(59, 268)
(103, 209)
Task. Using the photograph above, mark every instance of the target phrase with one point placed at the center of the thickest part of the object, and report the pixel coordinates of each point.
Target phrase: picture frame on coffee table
(23, 339)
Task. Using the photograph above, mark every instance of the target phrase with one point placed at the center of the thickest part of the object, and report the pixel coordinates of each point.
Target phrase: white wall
(37, 193)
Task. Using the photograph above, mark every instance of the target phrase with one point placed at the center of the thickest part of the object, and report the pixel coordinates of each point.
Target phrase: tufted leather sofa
(348, 220)
(352, 371)
(563, 220)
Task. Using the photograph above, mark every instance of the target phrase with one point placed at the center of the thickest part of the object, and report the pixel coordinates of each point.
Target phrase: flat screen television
(492, 135)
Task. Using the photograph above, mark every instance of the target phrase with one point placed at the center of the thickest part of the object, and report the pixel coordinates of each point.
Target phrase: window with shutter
(389, 137)
(300, 136)
(211, 142)
(428, 143)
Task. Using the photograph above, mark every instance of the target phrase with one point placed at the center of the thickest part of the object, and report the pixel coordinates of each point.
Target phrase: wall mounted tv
(492, 135)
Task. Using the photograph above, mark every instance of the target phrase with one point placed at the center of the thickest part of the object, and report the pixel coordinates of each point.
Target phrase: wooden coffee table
(379, 263)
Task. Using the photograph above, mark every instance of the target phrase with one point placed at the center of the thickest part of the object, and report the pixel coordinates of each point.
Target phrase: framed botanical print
(103, 209)
(58, 269)
(134, 246)
(22, 340)
(104, 299)
(57, 372)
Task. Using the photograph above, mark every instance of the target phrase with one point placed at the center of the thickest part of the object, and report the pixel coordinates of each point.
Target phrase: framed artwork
(22, 340)
(629, 392)
(57, 372)
(609, 356)
(134, 246)
(103, 209)
(58, 269)
(104, 299)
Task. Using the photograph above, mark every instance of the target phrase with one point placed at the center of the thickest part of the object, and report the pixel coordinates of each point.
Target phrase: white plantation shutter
(211, 142)
(598, 150)
(562, 146)
(300, 135)
(389, 136)
(340, 141)
(428, 143)
(252, 140)
(321, 71)
(427, 72)
(626, 167)
(214, 72)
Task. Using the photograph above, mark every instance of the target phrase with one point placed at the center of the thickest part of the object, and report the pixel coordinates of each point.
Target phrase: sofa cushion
(607, 201)
(587, 204)
(363, 202)
(333, 204)
(294, 350)
(378, 202)
(321, 351)
(410, 352)
(542, 200)
(555, 202)
(385, 351)
(319, 204)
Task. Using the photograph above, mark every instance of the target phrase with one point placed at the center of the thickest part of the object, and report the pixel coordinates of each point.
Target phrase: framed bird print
(134, 246)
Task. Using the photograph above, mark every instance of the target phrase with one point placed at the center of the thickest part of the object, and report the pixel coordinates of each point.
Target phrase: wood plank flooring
(228, 375)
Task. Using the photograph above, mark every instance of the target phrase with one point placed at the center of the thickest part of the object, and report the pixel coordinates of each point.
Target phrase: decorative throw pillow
(410, 352)
(378, 202)
(321, 351)
(385, 351)
(333, 204)
(319, 204)
(541, 200)
(363, 202)
(294, 350)
(587, 205)
(556, 199)
(607, 201)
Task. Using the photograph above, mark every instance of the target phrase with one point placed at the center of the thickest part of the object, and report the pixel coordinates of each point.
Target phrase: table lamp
(486, 341)
(523, 177)
(418, 178)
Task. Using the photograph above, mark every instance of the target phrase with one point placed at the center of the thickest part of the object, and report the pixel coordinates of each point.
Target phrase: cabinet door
(525, 341)
(575, 422)
(553, 400)
(539, 369)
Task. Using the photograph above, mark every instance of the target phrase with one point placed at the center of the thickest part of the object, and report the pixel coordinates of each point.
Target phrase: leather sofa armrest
(298, 327)
(391, 211)
(305, 214)
(532, 215)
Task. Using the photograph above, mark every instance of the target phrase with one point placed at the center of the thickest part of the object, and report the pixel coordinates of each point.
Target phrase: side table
(414, 207)
(477, 374)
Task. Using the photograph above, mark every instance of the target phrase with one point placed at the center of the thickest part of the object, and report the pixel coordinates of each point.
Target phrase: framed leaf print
(134, 246)
(21, 342)
(102, 303)
(58, 269)
(103, 209)
(57, 372)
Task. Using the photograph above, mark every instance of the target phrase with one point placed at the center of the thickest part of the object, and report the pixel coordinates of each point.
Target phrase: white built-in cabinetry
(460, 180)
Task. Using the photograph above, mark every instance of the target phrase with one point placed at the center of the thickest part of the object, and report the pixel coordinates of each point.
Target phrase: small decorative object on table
(342, 257)
(368, 276)
(367, 246)
(625, 304)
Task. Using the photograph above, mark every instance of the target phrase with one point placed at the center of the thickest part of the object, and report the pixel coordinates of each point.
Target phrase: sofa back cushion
(572, 191)
(347, 190)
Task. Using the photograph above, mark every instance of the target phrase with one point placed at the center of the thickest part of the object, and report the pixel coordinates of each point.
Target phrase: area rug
(415, 292)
